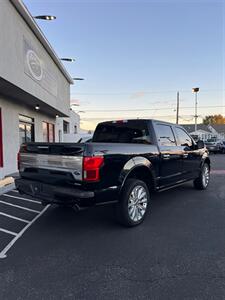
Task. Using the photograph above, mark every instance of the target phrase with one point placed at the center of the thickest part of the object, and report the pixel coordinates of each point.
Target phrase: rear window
(131, 132)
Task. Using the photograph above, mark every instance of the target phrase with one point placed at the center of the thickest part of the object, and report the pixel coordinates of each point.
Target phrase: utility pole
(196, 90)
(178, 107)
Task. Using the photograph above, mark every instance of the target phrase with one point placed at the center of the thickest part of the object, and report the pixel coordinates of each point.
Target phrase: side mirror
(200, 144)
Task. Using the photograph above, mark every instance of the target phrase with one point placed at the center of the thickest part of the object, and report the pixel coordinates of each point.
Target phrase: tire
(202, 182)
(133, 203)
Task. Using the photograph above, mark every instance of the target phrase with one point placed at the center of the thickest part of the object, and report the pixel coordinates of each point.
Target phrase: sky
(136, 55)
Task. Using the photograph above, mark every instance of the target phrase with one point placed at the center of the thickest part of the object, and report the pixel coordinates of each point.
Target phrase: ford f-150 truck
(126, 161)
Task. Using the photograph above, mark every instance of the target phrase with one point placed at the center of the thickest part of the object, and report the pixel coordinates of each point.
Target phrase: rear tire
(134, 203)
(202, 182)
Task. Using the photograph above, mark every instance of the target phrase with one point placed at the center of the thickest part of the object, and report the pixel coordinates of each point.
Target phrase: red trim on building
(1, 140)
(48, 131)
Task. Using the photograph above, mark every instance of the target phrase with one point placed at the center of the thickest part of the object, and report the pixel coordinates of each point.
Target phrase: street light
(196, 90)
(68, 59)
(45, 17)
(77, 78)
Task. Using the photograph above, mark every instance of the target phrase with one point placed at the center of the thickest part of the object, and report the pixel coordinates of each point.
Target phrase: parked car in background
(223, 147)
(215, 146)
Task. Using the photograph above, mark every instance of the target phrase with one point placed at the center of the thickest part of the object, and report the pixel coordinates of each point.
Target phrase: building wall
(73, 120)
(19, 46)
(10, 131)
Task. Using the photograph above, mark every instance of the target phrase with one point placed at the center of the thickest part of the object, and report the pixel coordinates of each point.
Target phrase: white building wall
(73, 120)
(10, 132)
(16, 40)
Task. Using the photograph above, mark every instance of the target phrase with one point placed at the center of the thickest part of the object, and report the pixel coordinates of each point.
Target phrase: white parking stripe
(7, 231)
(24, 199)
(13, 217)
(21, 207)
(14, 191)
(6, 249)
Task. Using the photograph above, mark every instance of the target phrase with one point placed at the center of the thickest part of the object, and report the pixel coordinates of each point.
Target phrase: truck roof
(142, 119)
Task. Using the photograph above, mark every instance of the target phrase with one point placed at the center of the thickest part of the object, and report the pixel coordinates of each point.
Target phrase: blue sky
(137, 54)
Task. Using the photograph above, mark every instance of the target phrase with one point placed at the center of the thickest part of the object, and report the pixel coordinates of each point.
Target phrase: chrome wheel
(137, 203)
(205, 176)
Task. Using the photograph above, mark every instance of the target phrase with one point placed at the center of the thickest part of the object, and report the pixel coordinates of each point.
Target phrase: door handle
(185, 155)
(166, 156)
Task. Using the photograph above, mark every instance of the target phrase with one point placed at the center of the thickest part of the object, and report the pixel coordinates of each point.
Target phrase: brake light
(18, 160)
(91, 167)
(119, 121)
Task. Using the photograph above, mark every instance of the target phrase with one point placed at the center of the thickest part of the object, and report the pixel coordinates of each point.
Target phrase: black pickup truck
(125, 162)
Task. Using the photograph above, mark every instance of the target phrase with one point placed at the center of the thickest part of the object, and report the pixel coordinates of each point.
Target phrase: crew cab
(126, 161)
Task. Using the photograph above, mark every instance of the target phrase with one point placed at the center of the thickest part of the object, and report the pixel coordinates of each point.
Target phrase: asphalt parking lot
(177, 253)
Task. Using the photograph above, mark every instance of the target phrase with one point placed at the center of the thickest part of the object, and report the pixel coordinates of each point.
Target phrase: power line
(149, 109)
(132, 117)
(132, 94)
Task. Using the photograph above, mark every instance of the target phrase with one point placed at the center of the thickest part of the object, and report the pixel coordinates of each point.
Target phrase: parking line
(21, 198)
(9, 232)
(21, 207)
(6, 249)
(13, 217)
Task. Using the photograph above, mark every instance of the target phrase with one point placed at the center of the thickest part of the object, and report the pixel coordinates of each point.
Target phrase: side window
(165, 135)
(183, 138)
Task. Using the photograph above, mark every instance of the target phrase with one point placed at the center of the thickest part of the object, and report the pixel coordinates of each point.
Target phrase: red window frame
(1, 141)
(48, 135)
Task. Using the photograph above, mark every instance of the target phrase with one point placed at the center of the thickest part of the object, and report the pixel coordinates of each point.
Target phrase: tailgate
(56, 163)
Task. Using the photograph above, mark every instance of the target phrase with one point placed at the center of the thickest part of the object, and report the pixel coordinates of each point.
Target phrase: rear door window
(132, 132)
(165, 135)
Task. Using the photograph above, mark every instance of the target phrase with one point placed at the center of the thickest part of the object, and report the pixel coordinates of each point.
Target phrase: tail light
(18, 160)
(91, 167)
(23, 149)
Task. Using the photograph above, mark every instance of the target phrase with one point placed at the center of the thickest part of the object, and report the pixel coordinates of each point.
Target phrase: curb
(7, 185)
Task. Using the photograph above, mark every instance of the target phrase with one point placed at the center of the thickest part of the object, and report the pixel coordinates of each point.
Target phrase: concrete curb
(6, 185)
(7, 188)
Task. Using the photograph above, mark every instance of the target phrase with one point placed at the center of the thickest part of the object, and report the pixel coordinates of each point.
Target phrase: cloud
(75, 102)
(139, 94)
(78, 102)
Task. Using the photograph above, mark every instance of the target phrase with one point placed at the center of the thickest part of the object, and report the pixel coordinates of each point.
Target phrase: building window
(26, 129)
(48, 132)
(1, 143)
(65, 127)
(75, 129)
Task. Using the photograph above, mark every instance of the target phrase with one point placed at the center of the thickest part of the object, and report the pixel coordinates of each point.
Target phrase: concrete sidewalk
(7, 184)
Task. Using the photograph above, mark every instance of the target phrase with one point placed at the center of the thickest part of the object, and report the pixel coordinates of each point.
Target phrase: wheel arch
(206, 161)
(139, 168)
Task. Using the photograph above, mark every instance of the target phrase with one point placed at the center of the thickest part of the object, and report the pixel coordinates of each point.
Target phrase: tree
(214, 119)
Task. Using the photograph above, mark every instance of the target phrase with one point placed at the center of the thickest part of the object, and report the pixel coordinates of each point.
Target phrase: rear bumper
(50, 194)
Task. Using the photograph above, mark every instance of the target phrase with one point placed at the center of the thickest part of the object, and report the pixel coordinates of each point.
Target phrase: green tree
(214, 119)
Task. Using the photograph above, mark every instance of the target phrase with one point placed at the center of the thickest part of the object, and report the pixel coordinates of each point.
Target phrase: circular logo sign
(34, 65)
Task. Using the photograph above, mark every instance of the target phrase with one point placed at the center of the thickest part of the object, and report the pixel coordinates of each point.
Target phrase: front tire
(134, 203)
(202, 182)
